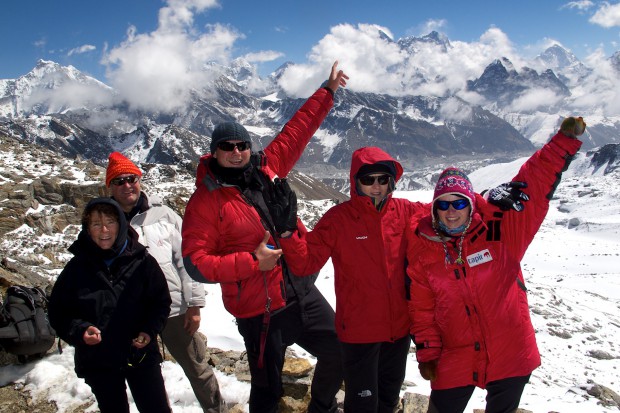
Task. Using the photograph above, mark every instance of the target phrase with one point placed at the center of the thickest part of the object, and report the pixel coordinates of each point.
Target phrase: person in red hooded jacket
(470, 317)
(365, 238)
(227, 219)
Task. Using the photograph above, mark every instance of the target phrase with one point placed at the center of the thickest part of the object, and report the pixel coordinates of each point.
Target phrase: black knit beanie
(228, 131)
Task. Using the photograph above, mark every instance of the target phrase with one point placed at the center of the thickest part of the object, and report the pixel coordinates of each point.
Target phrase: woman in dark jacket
(110, 302)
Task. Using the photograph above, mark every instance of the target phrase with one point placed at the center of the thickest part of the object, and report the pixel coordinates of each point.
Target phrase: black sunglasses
(370, 180)
(457, 204)
(230, 146)
(131, 179)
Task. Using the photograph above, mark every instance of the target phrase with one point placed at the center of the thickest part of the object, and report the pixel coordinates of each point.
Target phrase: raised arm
(286, 149)
(542, 172)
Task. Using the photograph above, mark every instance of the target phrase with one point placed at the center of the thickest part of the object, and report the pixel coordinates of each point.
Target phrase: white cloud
(608, 15)
(453, 109)
(599, 92)
(263, 56)
(70, 95)
(159, 70)
(579, 5)
(82, 49)
(433, 25)
(360, 50)
(378, 65)
(535, 99)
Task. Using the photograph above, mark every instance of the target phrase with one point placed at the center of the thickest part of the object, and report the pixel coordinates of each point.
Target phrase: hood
(203, 168)
(85, 243)
(368, 156)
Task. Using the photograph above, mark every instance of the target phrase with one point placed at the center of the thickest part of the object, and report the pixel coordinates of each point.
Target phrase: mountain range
(73, 114)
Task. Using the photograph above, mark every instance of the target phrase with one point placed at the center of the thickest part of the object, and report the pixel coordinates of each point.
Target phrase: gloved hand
(283, 207)
(508, 196)
(428, 369)
(573, 127)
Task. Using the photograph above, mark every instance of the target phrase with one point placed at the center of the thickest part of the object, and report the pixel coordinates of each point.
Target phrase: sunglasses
(370, 180)
(230, 146)
(457, 204)
(132, 179)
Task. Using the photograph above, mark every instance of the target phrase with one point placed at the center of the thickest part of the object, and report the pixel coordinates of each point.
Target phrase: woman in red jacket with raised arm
(469, 311)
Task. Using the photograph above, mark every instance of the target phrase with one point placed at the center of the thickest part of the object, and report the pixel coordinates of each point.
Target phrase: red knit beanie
(455, 182)
(119, 165)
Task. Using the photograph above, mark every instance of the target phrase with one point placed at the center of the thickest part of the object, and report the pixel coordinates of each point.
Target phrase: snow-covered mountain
(505, 109)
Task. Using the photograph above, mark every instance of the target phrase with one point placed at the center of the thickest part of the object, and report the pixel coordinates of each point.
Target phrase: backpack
(24, 326)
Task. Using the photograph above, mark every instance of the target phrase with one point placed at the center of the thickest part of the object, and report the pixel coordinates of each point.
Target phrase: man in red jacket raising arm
(227, 218)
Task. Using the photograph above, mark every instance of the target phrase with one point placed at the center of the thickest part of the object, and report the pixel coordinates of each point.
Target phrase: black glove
(283, 206)
(508, 196)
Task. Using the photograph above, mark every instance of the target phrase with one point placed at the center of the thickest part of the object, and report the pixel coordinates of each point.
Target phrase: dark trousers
(310, 324)
(503, 396)
(146, 385)
(373, 375)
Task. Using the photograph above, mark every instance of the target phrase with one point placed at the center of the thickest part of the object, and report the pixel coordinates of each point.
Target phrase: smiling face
(127, 194)
(103, 229)
(452, 218)
(376, 189)
(234, 158)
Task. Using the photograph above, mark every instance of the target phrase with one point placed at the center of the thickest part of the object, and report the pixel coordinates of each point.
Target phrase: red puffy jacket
(367, 248)
(474, 318)
(221, 229)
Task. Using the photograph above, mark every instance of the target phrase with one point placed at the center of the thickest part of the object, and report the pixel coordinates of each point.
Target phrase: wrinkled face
(125, 192)
(453, 218)
(229, 155)
(103, 229)
(374, 185)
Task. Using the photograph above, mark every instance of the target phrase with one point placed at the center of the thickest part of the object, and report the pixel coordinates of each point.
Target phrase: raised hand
(336, 78)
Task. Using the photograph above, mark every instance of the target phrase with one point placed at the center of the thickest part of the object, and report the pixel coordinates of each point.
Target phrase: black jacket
(129, 296)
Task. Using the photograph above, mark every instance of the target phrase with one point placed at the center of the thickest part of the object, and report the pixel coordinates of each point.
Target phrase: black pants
(146, 385)
(310, 324)
(503, 396)
(373, 375)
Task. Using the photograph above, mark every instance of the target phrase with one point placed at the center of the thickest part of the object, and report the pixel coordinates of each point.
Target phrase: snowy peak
(563, 62)
(433, 39)
(556, 57)
(608, 157)
(502, 84)
(50, 87)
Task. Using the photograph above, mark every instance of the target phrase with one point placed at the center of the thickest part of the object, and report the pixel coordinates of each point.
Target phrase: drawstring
(459, 260)
(265, 325)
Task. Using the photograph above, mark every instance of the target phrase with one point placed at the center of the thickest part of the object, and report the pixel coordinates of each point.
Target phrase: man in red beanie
(159, 228)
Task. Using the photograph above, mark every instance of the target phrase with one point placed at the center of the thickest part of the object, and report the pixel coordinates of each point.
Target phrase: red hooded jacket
(221, 229)
(367, 248)
(474, 318)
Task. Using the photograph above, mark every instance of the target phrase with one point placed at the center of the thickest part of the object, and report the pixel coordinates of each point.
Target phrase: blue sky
(82, 32)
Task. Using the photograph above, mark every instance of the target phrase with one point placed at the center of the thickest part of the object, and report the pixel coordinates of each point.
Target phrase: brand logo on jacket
(479, 257)
(365, 393)
(362, 237)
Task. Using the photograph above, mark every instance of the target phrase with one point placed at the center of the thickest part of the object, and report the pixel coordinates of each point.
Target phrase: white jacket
(159, 229)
